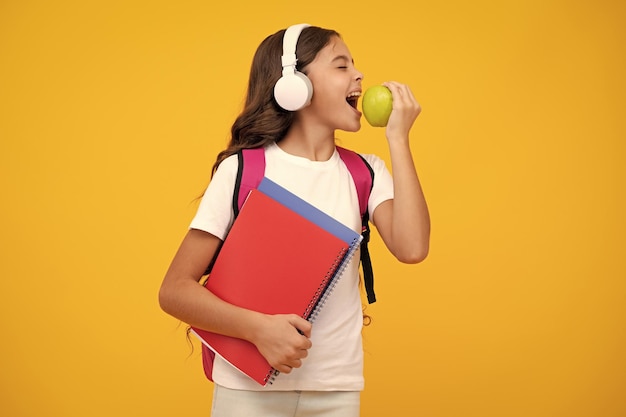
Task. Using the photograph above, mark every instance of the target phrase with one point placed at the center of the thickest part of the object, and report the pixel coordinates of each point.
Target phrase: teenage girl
(321, 365)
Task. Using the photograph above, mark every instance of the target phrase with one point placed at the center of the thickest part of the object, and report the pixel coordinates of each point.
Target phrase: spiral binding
(271, 376)
(332, 277)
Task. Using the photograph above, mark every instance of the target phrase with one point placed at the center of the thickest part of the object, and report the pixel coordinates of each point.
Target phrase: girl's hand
(405, 111)
(283, 340)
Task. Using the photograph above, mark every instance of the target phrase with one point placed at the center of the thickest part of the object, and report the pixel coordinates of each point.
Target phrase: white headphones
(293, 90)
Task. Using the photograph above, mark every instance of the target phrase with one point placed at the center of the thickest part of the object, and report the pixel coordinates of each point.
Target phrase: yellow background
(111, 114)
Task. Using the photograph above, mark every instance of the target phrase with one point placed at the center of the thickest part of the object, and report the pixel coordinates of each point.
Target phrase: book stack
(281, 256)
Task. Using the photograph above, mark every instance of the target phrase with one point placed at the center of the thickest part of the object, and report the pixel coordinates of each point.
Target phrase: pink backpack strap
(361, 175)
(208, 357)
(249, 174)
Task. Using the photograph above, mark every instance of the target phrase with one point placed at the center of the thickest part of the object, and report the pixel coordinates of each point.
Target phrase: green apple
(377, 105)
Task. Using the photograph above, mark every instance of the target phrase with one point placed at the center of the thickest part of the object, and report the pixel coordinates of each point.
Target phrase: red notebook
(274, 261)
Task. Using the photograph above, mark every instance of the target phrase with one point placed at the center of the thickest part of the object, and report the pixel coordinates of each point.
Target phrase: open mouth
(353, 98)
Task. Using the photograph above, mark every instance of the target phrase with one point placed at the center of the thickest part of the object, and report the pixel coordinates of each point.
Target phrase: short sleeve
(215, 214)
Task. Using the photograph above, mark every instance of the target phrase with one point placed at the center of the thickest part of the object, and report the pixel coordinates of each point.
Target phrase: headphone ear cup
(293, 92)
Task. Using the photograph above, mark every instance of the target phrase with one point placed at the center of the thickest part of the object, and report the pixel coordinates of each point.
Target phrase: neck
(309, 142)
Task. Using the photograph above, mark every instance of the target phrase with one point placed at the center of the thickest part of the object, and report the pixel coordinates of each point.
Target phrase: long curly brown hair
(262, 121)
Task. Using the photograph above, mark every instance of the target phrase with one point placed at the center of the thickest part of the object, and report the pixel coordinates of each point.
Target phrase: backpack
(251, 171)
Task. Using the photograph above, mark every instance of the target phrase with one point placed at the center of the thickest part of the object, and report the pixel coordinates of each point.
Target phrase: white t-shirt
(335, 362)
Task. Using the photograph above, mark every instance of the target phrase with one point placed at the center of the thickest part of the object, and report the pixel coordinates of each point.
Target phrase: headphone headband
(290, 41)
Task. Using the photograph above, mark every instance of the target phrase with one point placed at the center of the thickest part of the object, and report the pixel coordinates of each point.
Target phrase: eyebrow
(344, 57)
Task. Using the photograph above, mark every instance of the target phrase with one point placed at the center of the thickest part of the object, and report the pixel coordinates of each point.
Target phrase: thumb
(302, 325)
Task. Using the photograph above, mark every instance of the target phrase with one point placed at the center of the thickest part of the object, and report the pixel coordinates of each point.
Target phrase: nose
(359, 75)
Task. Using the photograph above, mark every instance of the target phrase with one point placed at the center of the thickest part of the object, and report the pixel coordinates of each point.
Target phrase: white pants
(236, 403)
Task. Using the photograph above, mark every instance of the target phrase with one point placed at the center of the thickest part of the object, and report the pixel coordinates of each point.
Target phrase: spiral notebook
(276, 260)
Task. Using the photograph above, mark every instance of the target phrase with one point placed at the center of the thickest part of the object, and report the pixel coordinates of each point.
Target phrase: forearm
(410, 219)
(193, 304)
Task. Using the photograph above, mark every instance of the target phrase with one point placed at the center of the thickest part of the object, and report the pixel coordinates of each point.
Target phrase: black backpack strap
(366, 260)
(237, 187)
